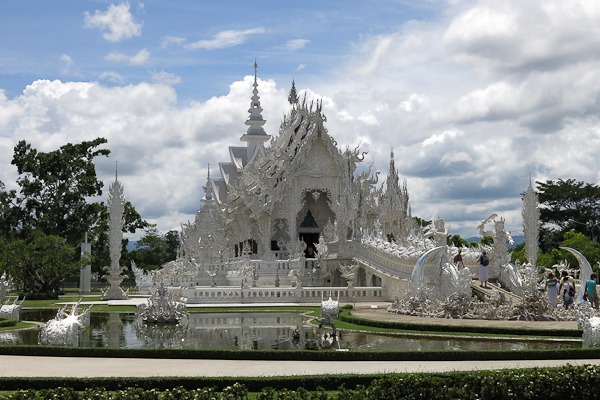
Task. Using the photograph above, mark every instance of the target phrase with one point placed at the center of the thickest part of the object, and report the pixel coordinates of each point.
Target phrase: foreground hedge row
(538, 383)
(6, 322)
(304, 355)
(347, 317)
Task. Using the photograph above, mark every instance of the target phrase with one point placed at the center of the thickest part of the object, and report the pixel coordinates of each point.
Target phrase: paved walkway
(78, 367)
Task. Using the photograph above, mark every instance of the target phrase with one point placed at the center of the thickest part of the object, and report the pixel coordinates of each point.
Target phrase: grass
(19, 325)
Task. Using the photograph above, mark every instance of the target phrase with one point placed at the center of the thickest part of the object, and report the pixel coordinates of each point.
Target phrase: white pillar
(85, 273)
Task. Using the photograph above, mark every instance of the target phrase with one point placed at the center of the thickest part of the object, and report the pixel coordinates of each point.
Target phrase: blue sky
(473, 95)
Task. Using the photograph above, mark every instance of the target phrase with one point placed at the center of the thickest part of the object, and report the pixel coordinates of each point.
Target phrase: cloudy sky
(473, 95)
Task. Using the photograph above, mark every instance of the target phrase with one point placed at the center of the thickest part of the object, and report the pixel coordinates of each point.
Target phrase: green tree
(154, 250)
(456, 240)
(567, 206)
(53, 200)
(518, 253)
(487, 241)
(55, 188)
(40, 263)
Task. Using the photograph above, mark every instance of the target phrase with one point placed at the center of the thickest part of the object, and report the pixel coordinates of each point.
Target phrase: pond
(252, 330)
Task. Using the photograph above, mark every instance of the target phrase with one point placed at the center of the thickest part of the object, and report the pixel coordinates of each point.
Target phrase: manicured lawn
(19, 325)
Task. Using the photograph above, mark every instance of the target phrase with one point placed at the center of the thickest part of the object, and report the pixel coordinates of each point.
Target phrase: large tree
(40, 263)
(55, 188)
(154, 249)
(567, 206)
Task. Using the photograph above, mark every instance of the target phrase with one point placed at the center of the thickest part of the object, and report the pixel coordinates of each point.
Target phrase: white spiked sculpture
(116, 206)
(531, 224)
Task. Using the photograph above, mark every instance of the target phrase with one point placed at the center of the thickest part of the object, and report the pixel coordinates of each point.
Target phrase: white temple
(291, 208)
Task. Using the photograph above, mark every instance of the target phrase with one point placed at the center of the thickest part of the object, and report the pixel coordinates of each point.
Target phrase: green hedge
(535, 383)
(5, 322)
(346, 317)
(303, 355)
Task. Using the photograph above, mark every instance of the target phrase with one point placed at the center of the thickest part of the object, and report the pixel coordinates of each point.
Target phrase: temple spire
(293, 97)
(207, 201)
(255, 134)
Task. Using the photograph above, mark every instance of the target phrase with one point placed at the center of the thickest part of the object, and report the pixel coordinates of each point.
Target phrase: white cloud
(300, 67)
(368, 118)
(414, 103)
(169, 40)
(117, 20)
(442, 137)
(225, 39)
(344, 116)
(139, 59)
(112, 76)
(162, 149)
(68, 64)
(165, 78)
(517, 36)
(296, 44)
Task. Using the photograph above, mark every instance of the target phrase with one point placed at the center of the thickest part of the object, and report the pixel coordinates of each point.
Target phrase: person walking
(552, 288)
(591, 293)
(568, 292)
(458, 261)
(484, 272)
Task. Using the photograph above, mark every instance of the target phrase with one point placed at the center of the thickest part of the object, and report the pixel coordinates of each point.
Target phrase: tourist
(568, 293)
(389, 238)
(564, 275)
(458, 261)
(551, 288)
(484, 273)
(591, 291)
(310, 253)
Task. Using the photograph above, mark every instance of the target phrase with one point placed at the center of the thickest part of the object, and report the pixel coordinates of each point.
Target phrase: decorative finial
(392, 152)
(209, 171)
(116, 170)
(255, 68)
(293, 97)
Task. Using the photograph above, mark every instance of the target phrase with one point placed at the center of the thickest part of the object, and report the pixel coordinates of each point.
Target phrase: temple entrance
(311, 239)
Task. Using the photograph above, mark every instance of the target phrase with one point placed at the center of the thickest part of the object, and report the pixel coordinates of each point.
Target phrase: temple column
(264, 231)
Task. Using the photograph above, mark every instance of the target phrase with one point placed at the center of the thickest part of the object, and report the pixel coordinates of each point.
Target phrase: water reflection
(251, 331)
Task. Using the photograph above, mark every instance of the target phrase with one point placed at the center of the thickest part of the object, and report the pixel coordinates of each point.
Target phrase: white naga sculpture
(348, 271)
(143, 279)
(162, 308)
(11, 310)
(64, 329)
(5, 286)
(116, 206)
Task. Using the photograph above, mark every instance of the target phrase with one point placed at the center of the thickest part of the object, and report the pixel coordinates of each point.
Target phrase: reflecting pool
(252, 330)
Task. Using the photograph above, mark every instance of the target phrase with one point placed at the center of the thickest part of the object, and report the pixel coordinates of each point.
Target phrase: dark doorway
(311, 240)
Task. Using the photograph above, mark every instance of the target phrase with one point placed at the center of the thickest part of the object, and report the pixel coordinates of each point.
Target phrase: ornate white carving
(162, 308)
(531, 224)
(64, 329)
(116, 206)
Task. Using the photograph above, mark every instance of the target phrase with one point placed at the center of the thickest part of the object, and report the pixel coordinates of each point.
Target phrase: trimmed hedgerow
(347, 317)
(5, 322)
(535, 383)
(304, 355)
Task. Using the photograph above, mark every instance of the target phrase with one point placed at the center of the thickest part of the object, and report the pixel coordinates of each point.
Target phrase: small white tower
(207, 201)
(255, 135)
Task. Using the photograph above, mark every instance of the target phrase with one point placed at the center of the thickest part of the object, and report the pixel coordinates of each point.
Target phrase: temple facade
(297, 185)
